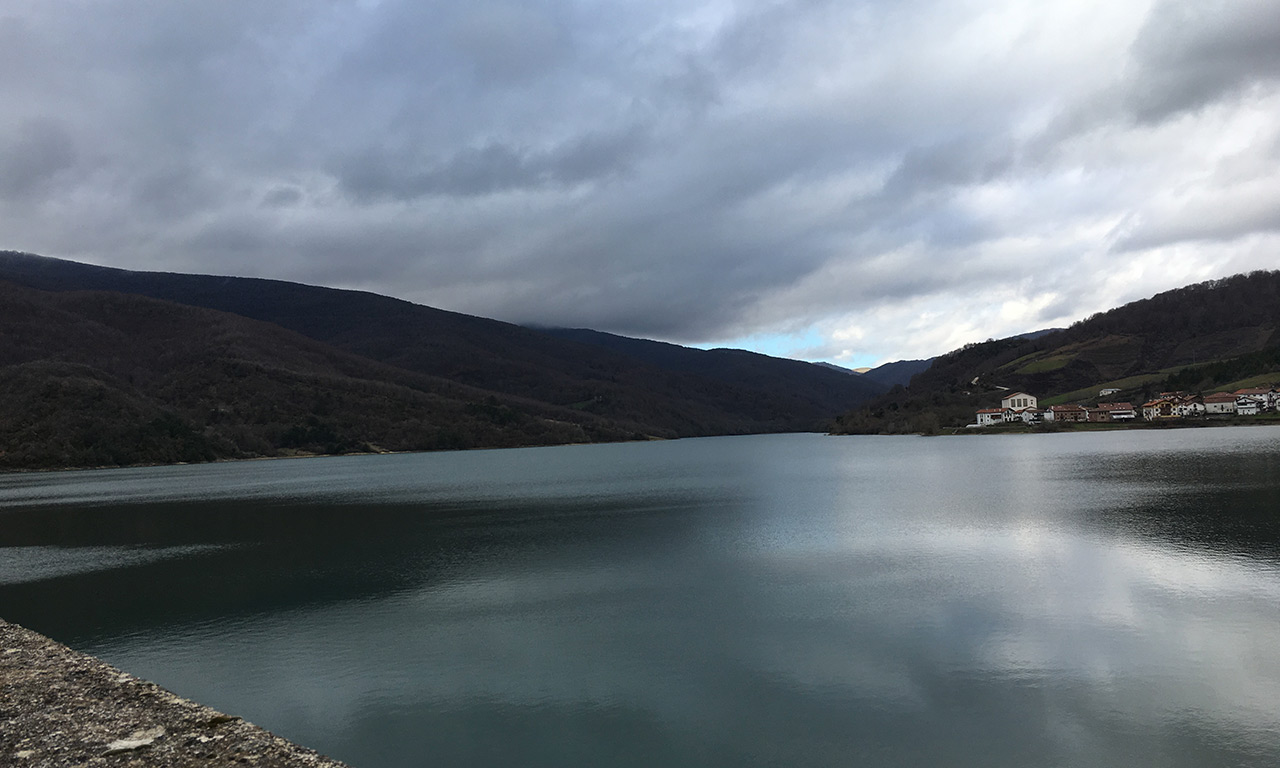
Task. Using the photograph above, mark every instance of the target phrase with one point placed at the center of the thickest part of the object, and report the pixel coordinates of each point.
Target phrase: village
(1167, 406)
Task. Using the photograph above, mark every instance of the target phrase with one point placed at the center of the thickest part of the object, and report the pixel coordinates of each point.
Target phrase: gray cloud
(486, 170)
(31, 160)
(694, 171)
(961, 161)
(1221, 222)
(282, 197)
(1191, 54)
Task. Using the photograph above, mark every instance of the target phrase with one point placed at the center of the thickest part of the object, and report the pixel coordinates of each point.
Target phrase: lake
(1037, 600)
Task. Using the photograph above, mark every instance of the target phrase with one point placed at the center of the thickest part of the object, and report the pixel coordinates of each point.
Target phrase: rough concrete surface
(60, 708)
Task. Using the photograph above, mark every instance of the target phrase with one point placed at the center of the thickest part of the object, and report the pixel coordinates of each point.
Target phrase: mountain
(801, 386)
(902, 371)
(483, 368)
(100, 378)
(897, 373)
(842, 369)
(1198, 338)
(1036, 334)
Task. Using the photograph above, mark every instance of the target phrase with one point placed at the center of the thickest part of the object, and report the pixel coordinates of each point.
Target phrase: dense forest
(104, 367)
(97, 379)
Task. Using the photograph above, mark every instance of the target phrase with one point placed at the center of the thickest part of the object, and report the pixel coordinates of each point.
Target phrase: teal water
(1048, 600)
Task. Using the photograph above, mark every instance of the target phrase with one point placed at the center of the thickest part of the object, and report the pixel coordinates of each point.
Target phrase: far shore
(313, 455)
(1002, 429)
(1047, 428)
(229, 460)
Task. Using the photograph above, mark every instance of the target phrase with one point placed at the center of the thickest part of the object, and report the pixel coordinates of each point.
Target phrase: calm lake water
(795, 600)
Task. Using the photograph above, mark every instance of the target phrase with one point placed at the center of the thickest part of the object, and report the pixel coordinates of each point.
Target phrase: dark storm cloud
(690, 170)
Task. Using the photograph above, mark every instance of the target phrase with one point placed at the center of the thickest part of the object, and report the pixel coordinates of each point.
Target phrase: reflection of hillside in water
(1225, 503)
(143, 565)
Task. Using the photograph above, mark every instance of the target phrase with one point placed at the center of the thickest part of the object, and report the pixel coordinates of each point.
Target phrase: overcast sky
(848, 181)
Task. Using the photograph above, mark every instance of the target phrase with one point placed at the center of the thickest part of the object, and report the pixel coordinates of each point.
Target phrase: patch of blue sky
(809, 345)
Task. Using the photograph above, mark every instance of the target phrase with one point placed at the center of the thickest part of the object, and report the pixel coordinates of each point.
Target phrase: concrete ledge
(60, 708)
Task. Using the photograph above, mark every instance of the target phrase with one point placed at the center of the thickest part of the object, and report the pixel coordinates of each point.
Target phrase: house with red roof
(990, 416)
(1220, 402)
(1016, 406)
(1159, 408)
(1112, 412)
(1064, 413)
(1189, 406)
(1265, 398)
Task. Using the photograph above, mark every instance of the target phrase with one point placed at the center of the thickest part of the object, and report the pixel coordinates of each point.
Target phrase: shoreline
(646, 439)
(1002, 429)
(1052, 428)
(305, 455)
(62, 708)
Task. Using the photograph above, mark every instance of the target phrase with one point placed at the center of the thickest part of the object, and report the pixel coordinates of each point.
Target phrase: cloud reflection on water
(967, 601)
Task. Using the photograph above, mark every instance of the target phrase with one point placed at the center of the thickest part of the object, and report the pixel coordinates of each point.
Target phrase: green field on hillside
(1091, 393)
(1268, 379)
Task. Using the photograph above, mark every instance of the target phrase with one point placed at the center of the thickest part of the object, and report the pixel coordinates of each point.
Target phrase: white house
(1266, 397)
(1189, 407)
(1018, 400)
(1246, 405)
(1220, 402)
(1108, 391)
(989, 416)
(1017, 406)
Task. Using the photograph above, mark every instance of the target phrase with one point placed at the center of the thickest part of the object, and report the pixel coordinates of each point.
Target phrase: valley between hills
(108, 367)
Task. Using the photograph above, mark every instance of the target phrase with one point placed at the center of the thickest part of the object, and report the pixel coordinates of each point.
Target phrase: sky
(854, 182)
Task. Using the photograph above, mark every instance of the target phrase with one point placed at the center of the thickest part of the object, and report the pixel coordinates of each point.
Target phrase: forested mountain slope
(792, 380)
(102, 378)
(897, 373)
(608, 392)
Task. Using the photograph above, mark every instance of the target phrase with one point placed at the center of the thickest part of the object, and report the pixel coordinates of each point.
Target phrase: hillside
(796, 385)
(482, 353)
(98, 378)
(1196, 338)
(607, 391)
(898, 373)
